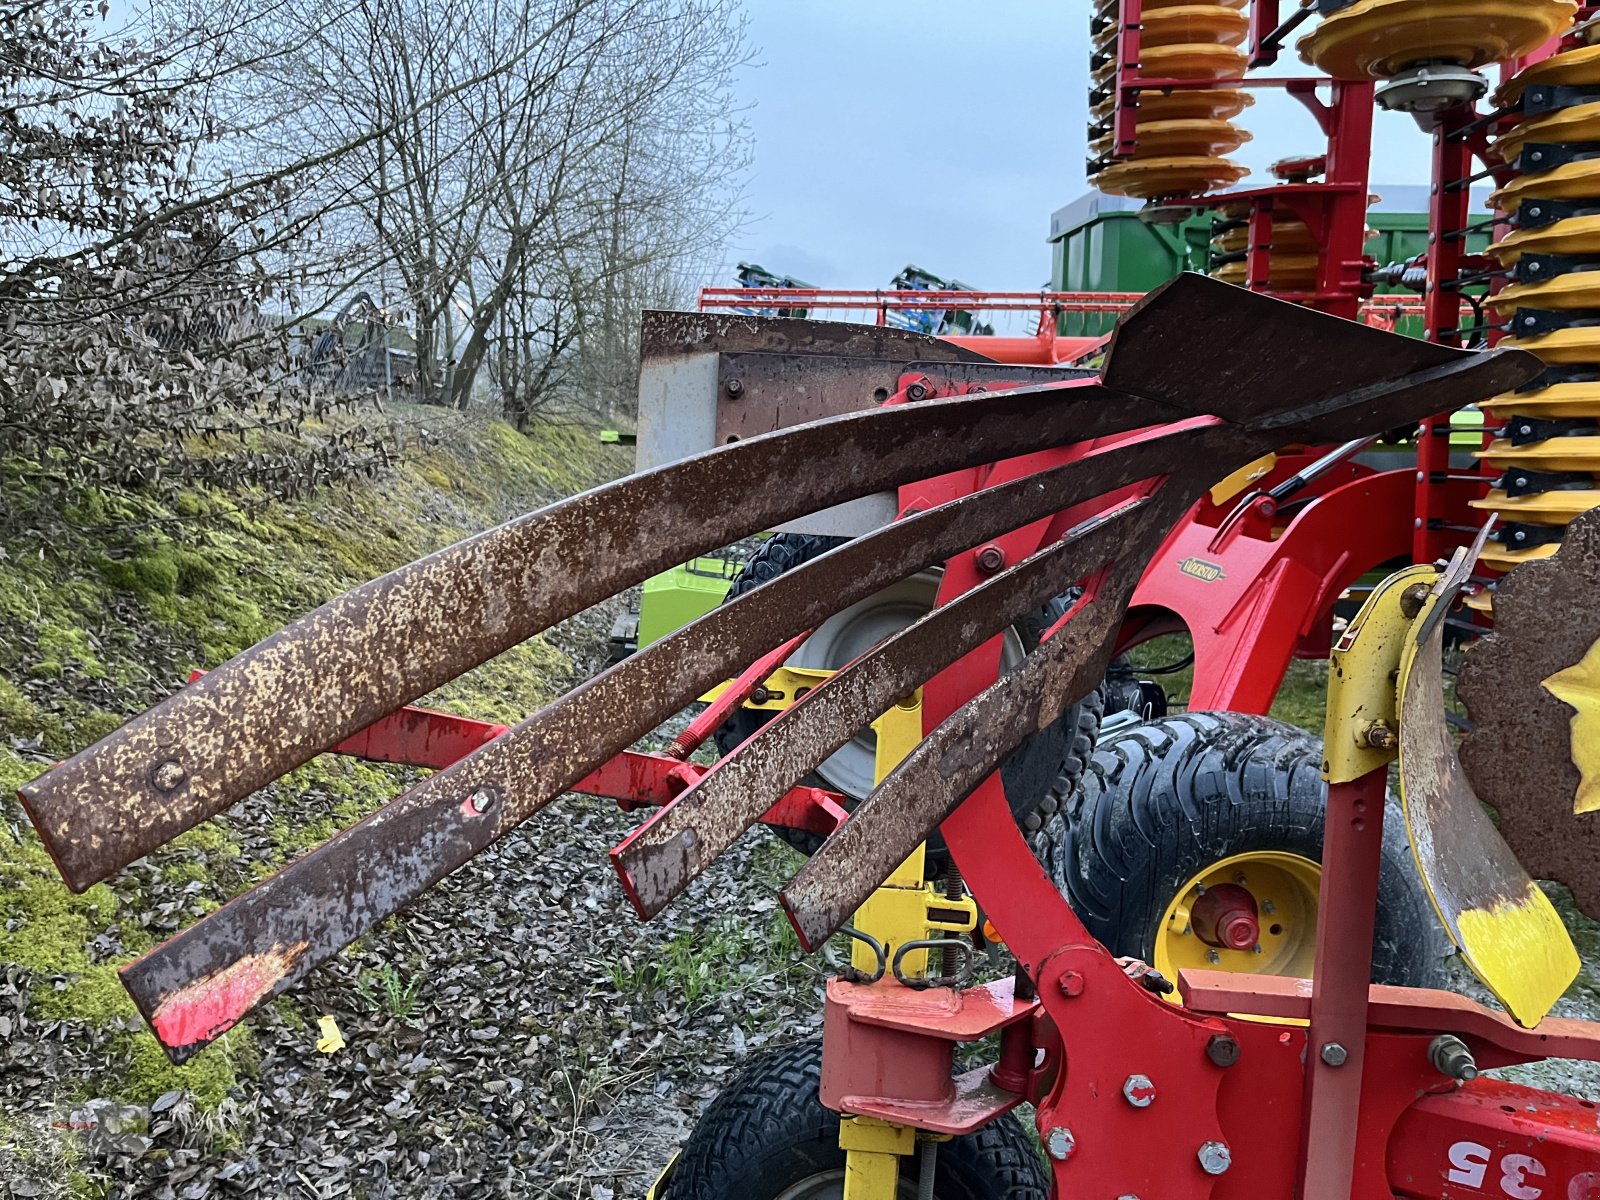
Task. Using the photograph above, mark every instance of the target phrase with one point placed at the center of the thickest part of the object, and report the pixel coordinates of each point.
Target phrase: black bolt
(734, 388)
(1222, 1049)
(759, 695)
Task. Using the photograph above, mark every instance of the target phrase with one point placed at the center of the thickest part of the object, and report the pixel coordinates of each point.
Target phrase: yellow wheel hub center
(1253, 912)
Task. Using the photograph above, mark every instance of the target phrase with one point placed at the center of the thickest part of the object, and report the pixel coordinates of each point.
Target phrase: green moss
(207, 1076)
(62, 646)
(18, 715)
(96, 996)
(151, 574)
(49, 927)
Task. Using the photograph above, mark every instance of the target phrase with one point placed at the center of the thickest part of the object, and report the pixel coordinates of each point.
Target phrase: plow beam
(324, 678)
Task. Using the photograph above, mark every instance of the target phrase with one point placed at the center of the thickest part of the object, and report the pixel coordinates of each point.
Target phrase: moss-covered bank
(106, 605)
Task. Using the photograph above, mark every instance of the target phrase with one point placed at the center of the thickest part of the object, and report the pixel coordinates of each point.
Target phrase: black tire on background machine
(1162, 799)
(1039, 777)
(768, 1133)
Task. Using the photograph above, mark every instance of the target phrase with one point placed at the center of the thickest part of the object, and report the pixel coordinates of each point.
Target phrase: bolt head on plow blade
(1196, 359)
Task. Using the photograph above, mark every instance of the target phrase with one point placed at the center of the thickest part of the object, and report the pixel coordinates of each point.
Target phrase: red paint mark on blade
(212, 1005)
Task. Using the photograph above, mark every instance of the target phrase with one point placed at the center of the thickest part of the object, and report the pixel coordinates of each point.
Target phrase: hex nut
(1138, 1091)
(1215, 1158)
(1334, 1054)
(1059, 1143)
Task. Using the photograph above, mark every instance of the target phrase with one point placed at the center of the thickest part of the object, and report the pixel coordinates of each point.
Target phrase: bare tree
(582, 145)
(139, 337)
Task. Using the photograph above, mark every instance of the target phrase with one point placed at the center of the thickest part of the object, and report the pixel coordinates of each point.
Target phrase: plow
(1204, 965)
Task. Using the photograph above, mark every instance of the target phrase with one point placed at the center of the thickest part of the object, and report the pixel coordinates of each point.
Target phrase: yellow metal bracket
(1363, 727)
(872, 1156)
(907, 908)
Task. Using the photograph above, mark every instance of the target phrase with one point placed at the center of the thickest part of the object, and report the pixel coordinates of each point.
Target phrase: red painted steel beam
(1347, 907)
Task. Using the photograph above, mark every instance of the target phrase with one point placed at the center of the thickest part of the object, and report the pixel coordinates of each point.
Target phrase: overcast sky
(944, 133)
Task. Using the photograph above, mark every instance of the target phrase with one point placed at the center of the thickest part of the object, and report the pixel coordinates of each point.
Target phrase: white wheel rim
(852, 632)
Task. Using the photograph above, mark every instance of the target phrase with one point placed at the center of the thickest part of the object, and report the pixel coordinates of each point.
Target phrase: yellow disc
(1552, 454)
(1193, 104)
(1150, 178)
(1283, 271)
(1189, 24)
(1575, 235)
(1481, 601)
(1168, 138)
(1580, 67)
(1374, 39)
(1574, 290)
(1544, 508)
(1580, 344)
(1571, 181)
(1580, 123)
(1288, 236)
(1557, 400)
(1192, 61)
(1152, 5)
(1497, 556)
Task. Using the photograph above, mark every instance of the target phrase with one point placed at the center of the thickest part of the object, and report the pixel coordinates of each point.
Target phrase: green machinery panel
(1099, 244)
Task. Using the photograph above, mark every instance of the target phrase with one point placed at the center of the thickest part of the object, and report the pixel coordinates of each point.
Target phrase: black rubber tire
(1039, 776)
(1164, 798)
(768, 1132)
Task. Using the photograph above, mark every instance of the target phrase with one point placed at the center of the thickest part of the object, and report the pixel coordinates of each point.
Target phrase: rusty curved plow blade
(514, 581)
(948, 764)
(388, 642)
(1505, 926)
(957, 756)
(195, 985)
(660, 858)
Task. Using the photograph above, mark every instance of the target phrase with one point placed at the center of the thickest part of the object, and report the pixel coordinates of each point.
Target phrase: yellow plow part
(1507, 929)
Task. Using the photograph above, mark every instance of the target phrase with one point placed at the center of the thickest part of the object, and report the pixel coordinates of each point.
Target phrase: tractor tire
(1039, 776)
(768, 1136)
(1164, 800)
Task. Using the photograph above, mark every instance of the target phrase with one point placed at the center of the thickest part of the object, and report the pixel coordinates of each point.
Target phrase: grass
(1301, 700)
(388, 991)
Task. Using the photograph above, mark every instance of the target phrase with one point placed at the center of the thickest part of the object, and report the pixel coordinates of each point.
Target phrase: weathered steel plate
(1508, 931)
(1521, 753)
(760, 393)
